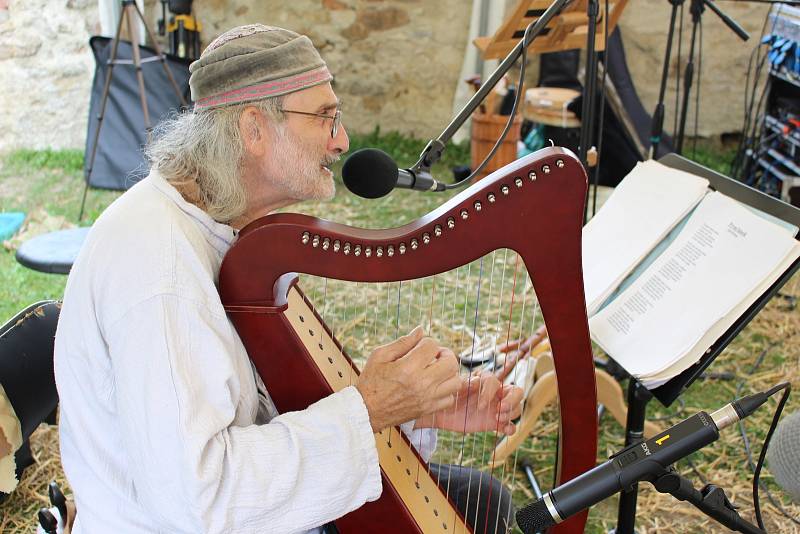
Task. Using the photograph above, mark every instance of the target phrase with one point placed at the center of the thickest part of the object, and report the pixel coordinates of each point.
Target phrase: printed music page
(644, 207)
(720, 258)
(713, 334)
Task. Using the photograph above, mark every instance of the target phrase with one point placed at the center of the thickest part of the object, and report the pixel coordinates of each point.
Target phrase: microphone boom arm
(435, 147)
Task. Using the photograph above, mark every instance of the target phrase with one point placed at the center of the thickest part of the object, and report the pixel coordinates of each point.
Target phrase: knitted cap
(254, 62)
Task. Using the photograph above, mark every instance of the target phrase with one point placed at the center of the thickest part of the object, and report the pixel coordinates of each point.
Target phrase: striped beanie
(254, 62)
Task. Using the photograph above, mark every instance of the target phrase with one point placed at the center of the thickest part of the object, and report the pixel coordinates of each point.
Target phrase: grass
(48, 185)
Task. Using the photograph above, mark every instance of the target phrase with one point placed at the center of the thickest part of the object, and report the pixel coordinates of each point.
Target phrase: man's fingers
(509, 429)
(449, 386)
(442, 365)
(443, 403)
(512, 394)
(426, 352)
(400, 346)
(489, 388)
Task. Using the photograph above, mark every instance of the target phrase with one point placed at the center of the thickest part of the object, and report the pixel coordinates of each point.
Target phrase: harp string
(429, 329)
(455, 438)
(484, 310)
(490, 330)
(516, 378)
(534, 317)
(508, 339)
(486, 331)
(442, 315)
(355, 323)
(499, 321)
(470, 376)
(452, 321)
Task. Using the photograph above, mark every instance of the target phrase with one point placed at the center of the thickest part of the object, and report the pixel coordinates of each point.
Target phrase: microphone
(372, 173)
(641, 461)
(783, 456)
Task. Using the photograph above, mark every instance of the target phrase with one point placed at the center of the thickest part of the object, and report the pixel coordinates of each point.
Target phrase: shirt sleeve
(422, 439)
(180, 393)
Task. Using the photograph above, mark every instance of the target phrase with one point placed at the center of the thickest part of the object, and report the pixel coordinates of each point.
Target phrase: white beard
(299, 167)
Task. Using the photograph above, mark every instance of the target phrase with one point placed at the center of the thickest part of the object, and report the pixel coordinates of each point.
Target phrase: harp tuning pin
(357, 250)
(326, 244)
(477, 206)
(426, 238)
(368, 252)
(337, 245)
(518, 182)
(546, 169)
(560, 163)
(379, 252)
(464, 214)
(347, 249)
(451, 223)
(532, 176)
(414, 244)
(504, 189)
(437, 230)
(315, 241)
(402, 248)
(390, 251)
(306, 238)
(491, 198)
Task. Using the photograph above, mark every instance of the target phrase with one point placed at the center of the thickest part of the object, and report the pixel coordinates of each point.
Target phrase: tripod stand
(697, 8)
(129, 10)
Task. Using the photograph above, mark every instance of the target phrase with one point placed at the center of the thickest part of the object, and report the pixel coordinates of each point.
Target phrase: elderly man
(165, 426)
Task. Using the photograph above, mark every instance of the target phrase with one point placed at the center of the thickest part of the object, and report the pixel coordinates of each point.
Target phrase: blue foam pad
(10, 223)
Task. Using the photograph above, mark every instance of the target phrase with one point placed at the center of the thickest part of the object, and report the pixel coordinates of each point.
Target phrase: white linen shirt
(164, 427)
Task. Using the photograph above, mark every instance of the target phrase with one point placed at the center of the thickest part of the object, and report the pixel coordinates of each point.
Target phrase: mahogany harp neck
(533, 206)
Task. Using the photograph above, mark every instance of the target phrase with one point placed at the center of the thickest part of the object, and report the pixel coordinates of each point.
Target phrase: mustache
(329, 160)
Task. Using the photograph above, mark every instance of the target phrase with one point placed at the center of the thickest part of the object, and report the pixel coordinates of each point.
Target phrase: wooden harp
(533, 207)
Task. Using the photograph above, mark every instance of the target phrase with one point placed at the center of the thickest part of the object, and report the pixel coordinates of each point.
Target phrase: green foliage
(713, 158)
(406, 150)
(67, 160)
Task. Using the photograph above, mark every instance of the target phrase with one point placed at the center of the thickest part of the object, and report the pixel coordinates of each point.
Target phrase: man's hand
(482, 404)
(407, 379)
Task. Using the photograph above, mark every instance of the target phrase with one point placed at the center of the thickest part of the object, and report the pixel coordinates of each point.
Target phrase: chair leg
(545, 392)
(609, 394)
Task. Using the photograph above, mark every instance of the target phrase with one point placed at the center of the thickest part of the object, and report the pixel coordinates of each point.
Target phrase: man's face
(302, 149)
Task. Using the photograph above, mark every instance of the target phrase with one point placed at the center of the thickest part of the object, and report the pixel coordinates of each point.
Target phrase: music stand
(638, 395)
(567, 31)
(129, 10)
(576, 26)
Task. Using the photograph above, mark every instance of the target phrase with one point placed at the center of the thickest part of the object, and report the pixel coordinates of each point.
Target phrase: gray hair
(203, 151)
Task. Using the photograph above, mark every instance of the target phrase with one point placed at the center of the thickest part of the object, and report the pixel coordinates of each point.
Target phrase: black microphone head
(370, 173)
(535, 517)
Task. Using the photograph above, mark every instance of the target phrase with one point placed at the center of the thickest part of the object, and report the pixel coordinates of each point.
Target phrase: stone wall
(725, 58)
(46, 70)
(396, 62)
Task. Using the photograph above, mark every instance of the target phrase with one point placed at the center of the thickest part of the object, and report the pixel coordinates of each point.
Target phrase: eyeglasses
(337, 118)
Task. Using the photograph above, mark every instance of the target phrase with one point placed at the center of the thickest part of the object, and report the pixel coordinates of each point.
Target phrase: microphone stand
(657, 126)
(697, 8)
(589, 90)
(435, 147)
(711, 500)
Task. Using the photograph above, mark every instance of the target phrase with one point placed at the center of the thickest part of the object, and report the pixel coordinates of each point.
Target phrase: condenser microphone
(783, 455)
(372, 173)
(641, 461)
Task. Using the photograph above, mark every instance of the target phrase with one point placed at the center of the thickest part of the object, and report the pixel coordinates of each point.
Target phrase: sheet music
(718, 261)
(645, 206)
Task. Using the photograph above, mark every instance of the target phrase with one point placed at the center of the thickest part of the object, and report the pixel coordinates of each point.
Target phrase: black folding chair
(26, 371)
